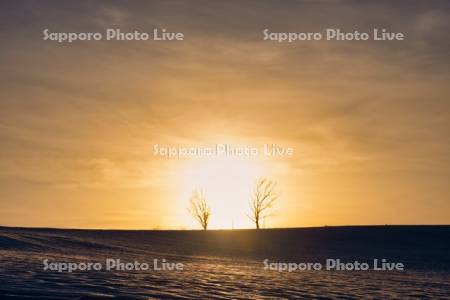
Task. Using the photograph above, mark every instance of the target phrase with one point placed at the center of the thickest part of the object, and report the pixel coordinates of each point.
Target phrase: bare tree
(263, 199)
(199, 208)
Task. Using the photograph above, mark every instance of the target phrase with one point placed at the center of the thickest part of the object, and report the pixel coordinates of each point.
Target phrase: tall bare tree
(199, 208)
(262, 200)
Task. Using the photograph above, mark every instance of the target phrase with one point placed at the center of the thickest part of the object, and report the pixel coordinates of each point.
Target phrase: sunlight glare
(227, 183)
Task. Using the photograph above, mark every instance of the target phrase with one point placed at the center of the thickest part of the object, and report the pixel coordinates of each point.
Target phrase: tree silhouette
(199, 208)
(262, 200)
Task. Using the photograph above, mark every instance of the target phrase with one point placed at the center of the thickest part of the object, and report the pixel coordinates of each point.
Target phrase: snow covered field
(222, 264)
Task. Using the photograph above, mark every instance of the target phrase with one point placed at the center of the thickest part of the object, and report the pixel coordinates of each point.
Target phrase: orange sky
(368, 121)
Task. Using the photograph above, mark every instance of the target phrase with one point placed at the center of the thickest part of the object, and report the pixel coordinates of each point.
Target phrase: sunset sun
(227, 183)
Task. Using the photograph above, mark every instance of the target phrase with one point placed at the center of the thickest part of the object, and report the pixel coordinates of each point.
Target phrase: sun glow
(227, 183)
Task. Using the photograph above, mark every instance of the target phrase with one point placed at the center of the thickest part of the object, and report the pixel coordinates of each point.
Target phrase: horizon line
(226, 229)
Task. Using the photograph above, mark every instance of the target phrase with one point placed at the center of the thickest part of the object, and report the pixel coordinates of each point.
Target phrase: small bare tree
(199, 208)
(263, 199)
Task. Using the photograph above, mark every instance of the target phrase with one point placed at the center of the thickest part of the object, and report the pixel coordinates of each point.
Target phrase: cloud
(85, 115)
